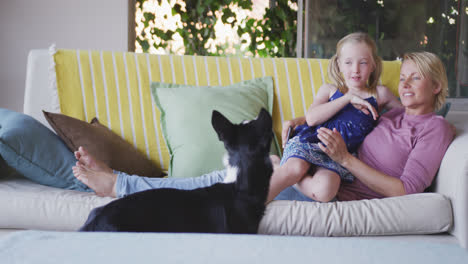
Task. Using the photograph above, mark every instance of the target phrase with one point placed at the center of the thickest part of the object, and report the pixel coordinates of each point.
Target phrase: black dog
(235, 207)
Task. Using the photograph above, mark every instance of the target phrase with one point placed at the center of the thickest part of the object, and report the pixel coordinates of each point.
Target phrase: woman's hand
(333, 145)
(290, 124)
(364, 106)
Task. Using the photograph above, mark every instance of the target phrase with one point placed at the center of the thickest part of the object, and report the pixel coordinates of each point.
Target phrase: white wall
(35, 24)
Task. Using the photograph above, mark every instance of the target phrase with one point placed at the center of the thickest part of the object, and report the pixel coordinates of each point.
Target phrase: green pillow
(186, 120)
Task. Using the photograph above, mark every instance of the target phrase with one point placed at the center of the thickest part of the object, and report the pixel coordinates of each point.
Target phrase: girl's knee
(291, 172)
(322, 187)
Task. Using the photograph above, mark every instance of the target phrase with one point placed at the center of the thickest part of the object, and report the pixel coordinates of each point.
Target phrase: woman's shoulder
(439, 125)
(439, 121)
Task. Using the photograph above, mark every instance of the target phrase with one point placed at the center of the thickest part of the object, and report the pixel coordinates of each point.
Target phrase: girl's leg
(322, 186)
(286, 175)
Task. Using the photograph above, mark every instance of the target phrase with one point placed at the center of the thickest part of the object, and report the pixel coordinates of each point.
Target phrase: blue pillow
(36, 152)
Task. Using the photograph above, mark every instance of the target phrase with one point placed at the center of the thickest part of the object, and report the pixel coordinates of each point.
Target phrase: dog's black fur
(222, 208)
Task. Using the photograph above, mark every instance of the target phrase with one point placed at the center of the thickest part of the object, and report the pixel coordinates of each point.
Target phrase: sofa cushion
(33, 206)
(103, 144)
(36, 152)
(423, 213)
(186, 120)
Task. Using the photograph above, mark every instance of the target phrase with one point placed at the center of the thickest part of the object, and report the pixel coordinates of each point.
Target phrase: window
(397, 26)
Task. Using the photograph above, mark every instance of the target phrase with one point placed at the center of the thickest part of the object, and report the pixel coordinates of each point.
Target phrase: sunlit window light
(454, 11)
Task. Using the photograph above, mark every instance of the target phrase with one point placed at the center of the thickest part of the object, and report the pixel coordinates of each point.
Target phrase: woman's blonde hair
(430, 66)
(334, 69)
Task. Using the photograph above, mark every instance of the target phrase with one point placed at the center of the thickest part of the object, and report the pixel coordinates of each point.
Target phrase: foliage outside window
(195, 21)
(397, 26)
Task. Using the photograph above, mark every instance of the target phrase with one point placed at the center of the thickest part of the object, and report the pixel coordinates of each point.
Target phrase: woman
(400, 156)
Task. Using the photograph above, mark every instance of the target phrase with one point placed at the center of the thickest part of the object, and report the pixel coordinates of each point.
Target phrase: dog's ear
(264, 119)
(221, 125)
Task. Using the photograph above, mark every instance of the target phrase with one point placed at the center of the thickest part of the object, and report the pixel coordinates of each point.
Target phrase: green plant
(274, 35)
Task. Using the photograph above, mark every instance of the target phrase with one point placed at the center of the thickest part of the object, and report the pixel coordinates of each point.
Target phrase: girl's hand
(364, 106)
(333, 145)
(290, 124)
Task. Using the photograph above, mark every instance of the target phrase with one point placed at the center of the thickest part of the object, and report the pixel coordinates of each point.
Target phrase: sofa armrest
(452, 178)
(38, 95)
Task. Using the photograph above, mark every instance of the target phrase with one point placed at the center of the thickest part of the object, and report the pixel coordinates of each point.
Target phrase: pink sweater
(408, 147)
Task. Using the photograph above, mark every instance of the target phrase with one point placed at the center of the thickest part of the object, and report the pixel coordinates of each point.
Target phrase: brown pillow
(103, 144)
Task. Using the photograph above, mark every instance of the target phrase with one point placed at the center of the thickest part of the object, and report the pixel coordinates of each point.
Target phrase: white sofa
(27, 205)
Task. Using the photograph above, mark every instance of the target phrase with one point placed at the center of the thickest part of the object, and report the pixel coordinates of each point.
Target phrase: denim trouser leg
(128, 184)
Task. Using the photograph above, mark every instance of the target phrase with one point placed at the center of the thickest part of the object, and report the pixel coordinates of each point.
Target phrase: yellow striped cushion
(115, 87)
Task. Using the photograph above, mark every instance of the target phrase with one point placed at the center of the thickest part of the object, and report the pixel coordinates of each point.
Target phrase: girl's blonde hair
(430, 66)
(334, 69)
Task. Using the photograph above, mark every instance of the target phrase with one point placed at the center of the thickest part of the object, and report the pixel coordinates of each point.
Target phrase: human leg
(322, 186)
(286, 175)
(106, 182)
(128, 184)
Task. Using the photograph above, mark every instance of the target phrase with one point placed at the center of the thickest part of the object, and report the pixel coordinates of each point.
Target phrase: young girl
(348, 106)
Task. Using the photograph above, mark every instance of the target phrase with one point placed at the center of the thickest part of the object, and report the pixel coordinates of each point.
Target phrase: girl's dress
(353, 126)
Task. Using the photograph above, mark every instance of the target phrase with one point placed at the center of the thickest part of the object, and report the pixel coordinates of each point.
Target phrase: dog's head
(254, 135)
(248, 146)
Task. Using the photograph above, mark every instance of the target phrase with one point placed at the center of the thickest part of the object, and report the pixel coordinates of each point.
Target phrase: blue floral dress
(353, 126)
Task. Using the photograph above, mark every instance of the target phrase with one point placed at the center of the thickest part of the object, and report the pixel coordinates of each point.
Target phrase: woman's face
(417, 94)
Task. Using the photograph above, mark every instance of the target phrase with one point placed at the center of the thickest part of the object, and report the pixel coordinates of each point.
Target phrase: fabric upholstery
(186, 120)
(58, 209)
(424, 213)
(103, 144)
(36, 152)
(114, 87)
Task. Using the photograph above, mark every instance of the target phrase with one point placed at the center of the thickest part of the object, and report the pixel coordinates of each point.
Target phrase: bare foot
(90, 162)
(275, 161)
(102, 182)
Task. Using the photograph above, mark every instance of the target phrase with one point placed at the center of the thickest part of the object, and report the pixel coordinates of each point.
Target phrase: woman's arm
(377, 181)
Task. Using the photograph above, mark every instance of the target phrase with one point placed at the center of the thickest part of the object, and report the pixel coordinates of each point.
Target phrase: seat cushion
(422, 213)
(33, 206)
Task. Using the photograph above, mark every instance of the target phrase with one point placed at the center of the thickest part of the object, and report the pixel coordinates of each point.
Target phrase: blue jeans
(128, 184)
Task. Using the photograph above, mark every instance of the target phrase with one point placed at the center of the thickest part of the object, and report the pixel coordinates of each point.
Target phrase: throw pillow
(103, 144)
(35, 152)
(186, 120)
(444, 109)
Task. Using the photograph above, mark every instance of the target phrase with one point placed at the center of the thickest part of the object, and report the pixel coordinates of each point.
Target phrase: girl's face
(417, 93)
(356, 64)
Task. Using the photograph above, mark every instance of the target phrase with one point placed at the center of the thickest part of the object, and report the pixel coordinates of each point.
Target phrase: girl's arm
(386, 99)
(377, 181)
(321, 110)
